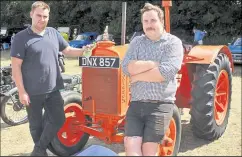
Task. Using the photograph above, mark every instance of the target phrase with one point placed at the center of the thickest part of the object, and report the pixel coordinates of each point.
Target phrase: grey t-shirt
(40, 69)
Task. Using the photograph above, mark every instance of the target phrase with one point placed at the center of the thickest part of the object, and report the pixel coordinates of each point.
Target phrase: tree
(221, 19)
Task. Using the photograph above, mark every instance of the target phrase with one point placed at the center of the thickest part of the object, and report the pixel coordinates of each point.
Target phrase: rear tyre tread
(203, 91)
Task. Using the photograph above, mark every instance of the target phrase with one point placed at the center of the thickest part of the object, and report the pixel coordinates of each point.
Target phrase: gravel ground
(16, 141)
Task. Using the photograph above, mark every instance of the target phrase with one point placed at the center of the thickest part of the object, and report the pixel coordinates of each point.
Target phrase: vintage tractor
(204, 86)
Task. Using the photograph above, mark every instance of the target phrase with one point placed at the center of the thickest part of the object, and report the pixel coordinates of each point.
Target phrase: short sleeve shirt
(40, 68)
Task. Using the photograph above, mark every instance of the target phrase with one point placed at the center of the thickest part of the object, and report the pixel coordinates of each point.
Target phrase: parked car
(236, 49)
(69, 33)
(83, 39)
(100, 37)
(7, 32)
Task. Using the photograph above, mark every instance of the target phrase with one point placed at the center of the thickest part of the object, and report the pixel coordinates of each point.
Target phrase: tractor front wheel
(70, 139)
(211, 98)
(172, 138)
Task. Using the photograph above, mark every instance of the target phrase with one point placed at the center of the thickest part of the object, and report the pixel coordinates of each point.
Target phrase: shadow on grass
(4, 125)
(188, 141)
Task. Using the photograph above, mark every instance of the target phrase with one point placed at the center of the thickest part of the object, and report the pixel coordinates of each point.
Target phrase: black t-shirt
(40, 69)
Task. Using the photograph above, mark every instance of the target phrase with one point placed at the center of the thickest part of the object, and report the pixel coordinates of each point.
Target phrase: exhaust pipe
(123, 35)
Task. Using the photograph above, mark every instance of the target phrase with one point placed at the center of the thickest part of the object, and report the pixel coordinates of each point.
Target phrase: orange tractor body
(204, 85)
(107, 99)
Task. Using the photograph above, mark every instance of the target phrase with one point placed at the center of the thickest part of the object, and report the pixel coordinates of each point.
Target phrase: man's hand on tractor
(90, 46)
(88, 49)
(76, 52)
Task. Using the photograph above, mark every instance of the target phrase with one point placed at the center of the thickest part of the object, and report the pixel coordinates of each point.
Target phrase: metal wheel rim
(221, 97)
(167, 148)
(70, 133)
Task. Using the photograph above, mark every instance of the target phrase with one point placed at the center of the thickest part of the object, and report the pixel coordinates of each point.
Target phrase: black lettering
(123, 88)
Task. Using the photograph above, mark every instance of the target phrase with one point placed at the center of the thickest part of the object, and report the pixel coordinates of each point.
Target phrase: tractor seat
(67, 78)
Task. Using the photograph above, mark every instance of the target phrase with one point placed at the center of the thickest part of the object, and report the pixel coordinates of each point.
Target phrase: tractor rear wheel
(70, 139)
(211, 98)
(170, 146)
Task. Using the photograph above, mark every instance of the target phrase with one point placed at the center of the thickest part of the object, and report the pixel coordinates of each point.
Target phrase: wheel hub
(17, 106)
(168, 145)
(70, 133)
(221, 97)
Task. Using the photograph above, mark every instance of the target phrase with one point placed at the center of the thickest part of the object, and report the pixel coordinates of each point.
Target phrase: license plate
(99, 62)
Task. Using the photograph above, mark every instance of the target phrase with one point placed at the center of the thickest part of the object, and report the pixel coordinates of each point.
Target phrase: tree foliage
(218, 18)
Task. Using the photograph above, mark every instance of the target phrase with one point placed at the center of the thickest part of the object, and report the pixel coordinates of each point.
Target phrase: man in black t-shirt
(34, 56)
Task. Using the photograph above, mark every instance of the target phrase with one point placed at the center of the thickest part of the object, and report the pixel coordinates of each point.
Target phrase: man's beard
(36, 27)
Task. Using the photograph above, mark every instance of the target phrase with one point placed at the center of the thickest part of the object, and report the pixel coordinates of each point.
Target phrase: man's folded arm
(136, 67)
(168, 67)
(131, 65)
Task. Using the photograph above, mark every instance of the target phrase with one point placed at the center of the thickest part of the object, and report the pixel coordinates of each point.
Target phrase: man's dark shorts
(148, 120)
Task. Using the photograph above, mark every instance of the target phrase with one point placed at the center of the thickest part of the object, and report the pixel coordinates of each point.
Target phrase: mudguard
(206, 54)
